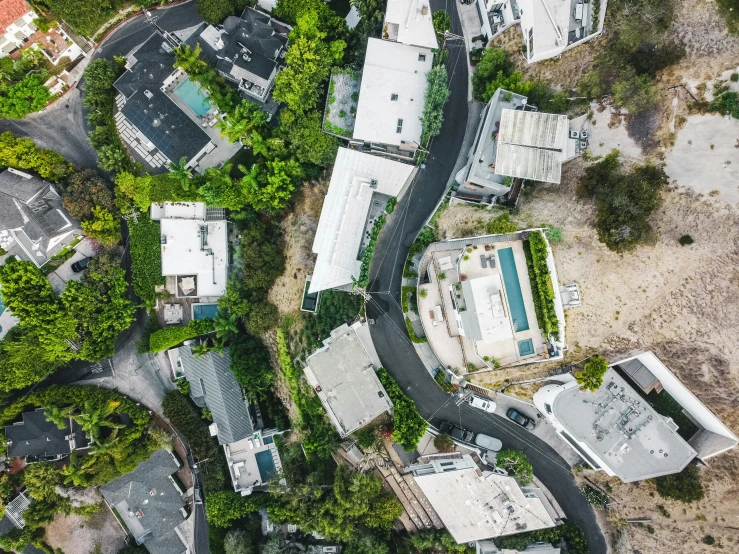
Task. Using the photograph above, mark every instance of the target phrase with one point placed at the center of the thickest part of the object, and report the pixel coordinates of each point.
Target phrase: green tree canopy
(250, 364)
(517, 463)
(494, 60)
(685, 486)
(591, 377)
(22, 153)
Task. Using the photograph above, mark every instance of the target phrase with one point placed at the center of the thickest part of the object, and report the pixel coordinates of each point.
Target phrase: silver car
(488, 443)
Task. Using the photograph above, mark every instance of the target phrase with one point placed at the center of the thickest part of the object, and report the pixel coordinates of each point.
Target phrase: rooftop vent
(380, 394)
(373, 183)
(148, 94)
(163, 239)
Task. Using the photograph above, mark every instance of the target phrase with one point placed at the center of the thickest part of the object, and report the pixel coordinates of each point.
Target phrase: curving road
(389, 334)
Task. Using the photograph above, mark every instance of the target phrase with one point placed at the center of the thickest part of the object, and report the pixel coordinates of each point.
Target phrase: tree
(442, 23)
(238, 541)
(366, 543)
(591, 377)
(92, 418)
(59, 416)
(180, 172)
(221, 190)
(308, 141)
(245, 118)
(517, 463)
(84, 190)
(74, 473)
(263, 257)
(214, 11)
(24, 360)
(685, 486)
(225, 325)
(635, 92)
(437, 93)
(510, 82)
(104, 227)
(501, 224)
(408, 425)
(250, 364)
(443, 442)
(113, 158)
(22, 153)
(494, 60)
(270, 189)
(24, 97)
(41, 479)
(225, 506)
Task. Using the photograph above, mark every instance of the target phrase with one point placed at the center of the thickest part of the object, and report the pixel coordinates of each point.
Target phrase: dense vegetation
(624, 200)
(22, 89)
(22, 153)
(408, 425)
(369, 250)
(685, 486)
(146, 257)
(542, 287)
(169, 337)
(516, 463)
(88, 198)
(335, 309)
(569, 532)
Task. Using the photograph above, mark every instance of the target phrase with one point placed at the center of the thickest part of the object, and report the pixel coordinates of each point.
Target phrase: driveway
(64, 272)
(395, 349)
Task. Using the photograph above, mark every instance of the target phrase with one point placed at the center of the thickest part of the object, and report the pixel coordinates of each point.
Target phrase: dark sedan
(456, 432)
(517, 417)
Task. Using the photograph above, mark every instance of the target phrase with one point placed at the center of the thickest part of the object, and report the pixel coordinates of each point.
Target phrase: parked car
(457, 432)
(488, 443)
(80, 265)
(482, 404)
(517, 417)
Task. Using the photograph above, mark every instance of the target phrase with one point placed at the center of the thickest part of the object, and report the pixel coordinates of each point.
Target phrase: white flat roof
(531, 145)
(177, 210)
(182, 253)
(409, 24)
(550, 20)
(344, 212)
(485, 318)
(476, 506)
(391, 68)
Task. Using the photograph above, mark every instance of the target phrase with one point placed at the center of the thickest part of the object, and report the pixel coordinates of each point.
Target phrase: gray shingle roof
(35, 436)
(210, 378)
(149, 504)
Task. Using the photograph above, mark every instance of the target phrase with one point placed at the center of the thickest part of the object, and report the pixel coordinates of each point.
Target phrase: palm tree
(225, 325)
(59, 416)
(187, 59)
(180, 172)
(74, 473)
(92, 419)
(201, 349)
(102, 448)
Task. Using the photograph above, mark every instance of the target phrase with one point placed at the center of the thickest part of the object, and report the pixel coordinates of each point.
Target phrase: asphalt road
(391, 340)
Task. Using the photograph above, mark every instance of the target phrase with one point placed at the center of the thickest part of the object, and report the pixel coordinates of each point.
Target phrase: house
(514, 142)
(16, 25)
(194, 246)
(248, 51)
(476, 505)
(361, 185)
(162, 116)
(55, 44)
(343, 375)
(251, 453)
(409, 22)
(478, 309)
(36, 439)
(34, 225)
(392, 97)
(615, 429)
(150, 505)
(549, 27)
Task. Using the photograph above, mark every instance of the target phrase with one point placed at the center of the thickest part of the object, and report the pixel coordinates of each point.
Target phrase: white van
(482, 404)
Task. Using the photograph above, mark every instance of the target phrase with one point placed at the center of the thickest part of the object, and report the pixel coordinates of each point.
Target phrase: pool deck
(455, 351)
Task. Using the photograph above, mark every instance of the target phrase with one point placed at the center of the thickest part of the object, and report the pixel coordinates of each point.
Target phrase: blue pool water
(204, 311)
(266, 465)
(513, 290)
(191, 95)
(526, 347)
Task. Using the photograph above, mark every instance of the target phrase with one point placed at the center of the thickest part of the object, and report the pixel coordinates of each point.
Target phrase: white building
(549, 27)
(476, 505)
(614, 428)
(392, 94)
(410, 22)
(343, 375)
(360, 187)
(194, 242)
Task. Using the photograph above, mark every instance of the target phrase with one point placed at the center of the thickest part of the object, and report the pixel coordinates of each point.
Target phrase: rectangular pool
(204, 311)
(266, 464)
(526, 347)
(513, 290)
(191, 95)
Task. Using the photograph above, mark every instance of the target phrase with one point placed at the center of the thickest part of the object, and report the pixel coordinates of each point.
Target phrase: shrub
(594, 496)
(22, 153)
(686, 240)
(501, 225)
(708, 539)
(569, 532)
(146, 257)
(409, 426)
(437, 93)
(443, 442)
(685, 486)
(363, 280)
(412, 334)
(542, 288)
(164, 339)
(517, 463)
(734, 77)
(391, 203)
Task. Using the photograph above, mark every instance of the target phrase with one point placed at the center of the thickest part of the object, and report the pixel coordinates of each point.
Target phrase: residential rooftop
(476, 505)
(713, 437)
(550, 26)
(35, 438)
(253, 461)
(359, 189)
(392, 94)
(343, 375)
(194, 245)
(213, 383)
(149, 505)
(409, 22)
(616, 428)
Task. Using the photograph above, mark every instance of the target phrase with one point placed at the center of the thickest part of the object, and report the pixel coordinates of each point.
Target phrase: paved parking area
(64, 273)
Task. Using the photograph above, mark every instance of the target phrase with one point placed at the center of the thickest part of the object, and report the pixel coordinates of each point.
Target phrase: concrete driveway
(64, 272)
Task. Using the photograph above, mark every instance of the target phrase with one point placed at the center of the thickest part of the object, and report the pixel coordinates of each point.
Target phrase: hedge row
(146, 257)
(164, 339)
(363, 280)
(542, 289)
(408, 425)
(412, 334)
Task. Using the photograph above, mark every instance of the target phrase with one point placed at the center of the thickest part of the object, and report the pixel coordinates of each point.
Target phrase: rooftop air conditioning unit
(584, 135)
(574, 134)
(373, 183)
(583, 144)
(148, 94)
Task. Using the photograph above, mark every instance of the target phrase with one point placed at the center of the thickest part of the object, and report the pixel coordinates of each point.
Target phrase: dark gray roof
(32, 208)
(262, 36)
(210, 378)
(154, 62)
(149, 504)
(34, 436)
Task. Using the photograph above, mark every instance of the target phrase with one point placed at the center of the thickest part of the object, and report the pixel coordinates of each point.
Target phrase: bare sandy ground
(101, 534)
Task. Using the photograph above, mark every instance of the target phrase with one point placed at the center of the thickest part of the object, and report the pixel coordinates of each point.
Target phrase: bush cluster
(536, 252)
(146, 257)
(169, 337)
(409, 426)
(594, 496)
(363, 280)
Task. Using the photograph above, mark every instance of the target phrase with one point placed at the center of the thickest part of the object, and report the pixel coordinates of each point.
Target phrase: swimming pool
(526, 347)
(204, 311)
(513, 289)
(266, 465)
(191, 95)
